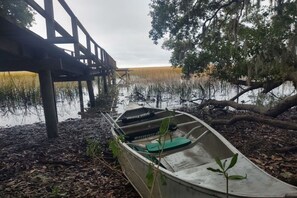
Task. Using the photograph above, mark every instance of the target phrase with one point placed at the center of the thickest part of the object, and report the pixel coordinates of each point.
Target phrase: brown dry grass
(156, 74)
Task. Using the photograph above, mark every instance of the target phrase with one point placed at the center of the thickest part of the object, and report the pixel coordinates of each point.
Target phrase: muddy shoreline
(33, 166)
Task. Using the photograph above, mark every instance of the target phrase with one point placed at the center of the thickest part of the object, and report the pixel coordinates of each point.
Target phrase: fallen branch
(235, 105)
(286, 149)
(59, 162)
(258, 119)
(246, 90)
(274, 111)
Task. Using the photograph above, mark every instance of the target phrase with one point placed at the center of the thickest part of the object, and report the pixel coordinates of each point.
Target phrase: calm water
(67, 108)
(170, 95)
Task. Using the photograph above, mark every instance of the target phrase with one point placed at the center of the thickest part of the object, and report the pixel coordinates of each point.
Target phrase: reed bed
(155, 74)
(21, 90)
(18, 89)
(168, 82)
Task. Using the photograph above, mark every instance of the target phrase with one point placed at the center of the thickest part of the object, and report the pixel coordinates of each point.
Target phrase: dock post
(109, 78)
(91, 93)
(55, 100)
(99, 85)
(114, 76)
(105, 83)
(50, 113)
(81, 98)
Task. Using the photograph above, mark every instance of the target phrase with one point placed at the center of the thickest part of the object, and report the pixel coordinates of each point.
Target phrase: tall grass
(22, 89)
(19, 89)
(165, 80)
(155, 74)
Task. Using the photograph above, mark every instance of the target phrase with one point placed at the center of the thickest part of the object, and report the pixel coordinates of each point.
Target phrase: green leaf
(233, 161)
(163, 179)
(114, 147)
(164, 126)
(150, 176)
(214, 170)
(224, 164)
(237, 177)
(218, 161)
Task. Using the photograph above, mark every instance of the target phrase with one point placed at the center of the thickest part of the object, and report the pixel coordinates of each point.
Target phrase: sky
(121, 27)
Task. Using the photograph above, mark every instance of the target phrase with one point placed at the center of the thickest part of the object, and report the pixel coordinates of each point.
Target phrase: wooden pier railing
(23, 50)
(97, 61)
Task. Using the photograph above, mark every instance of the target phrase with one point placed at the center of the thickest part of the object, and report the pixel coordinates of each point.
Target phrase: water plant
(223, 169)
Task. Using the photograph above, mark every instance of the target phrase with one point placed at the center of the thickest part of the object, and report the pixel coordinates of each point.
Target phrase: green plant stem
(157, 170)
(227, 186)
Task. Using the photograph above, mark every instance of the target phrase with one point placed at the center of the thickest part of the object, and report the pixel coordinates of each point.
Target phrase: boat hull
(197, 181)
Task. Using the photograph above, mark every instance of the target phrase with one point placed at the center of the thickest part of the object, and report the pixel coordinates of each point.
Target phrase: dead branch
(282, 106)
(235, 105)
(274, 111)
(258, 119)
(287, 149)
(256, 86)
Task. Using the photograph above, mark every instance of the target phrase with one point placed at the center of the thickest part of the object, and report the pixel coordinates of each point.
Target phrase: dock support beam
(47, 94)
(114, 77)
(105, 83)
(81, 98)
(99, 84)
(91, 93)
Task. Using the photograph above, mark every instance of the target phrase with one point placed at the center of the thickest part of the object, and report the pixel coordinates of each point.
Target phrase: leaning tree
(251, 43)
(17, 11)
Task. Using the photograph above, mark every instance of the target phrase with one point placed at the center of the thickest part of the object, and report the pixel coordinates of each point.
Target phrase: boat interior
(187, 144)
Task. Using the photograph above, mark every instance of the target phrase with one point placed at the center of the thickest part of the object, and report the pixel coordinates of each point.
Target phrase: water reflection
(67, 107)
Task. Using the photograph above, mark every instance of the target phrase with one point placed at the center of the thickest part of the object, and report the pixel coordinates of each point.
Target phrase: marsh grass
(18, 89)
(154, 74)
(21, 90)
(167, 81)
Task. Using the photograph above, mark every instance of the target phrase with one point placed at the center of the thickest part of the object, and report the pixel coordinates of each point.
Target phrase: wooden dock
(23, 50)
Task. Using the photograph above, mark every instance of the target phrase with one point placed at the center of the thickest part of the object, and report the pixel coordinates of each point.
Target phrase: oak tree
(251, 43)
(18, 11)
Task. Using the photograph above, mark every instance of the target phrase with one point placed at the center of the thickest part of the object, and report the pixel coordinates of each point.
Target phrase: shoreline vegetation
(33, 166)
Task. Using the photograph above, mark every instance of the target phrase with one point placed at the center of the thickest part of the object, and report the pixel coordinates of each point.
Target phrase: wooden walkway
(23, 50)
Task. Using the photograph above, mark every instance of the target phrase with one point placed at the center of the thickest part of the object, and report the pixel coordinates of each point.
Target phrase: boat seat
(168, 145)
(127, 120)
(147, 133)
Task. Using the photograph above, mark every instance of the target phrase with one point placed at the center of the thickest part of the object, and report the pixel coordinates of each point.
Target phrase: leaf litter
(33, 166)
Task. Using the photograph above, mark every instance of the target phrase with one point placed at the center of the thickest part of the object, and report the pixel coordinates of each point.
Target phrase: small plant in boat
(223, 169)
(152, 173)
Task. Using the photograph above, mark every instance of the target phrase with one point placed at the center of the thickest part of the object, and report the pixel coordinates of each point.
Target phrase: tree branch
(257, 86)
(258, 119)
(216, 12)
(282, 106)
(235, 105)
